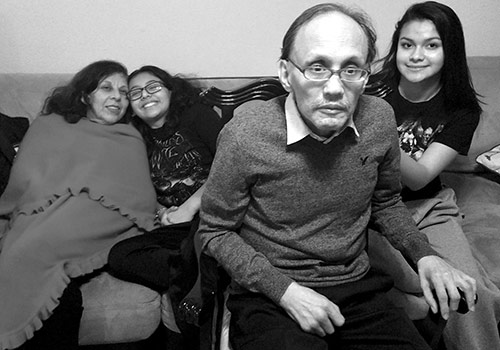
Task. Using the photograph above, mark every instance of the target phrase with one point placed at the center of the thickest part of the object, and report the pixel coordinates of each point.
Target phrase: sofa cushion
(24, 94)
(478, 198)
(115, 311)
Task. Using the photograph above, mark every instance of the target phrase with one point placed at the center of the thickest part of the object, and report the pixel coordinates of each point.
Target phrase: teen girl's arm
(417, 174)
(185, 212)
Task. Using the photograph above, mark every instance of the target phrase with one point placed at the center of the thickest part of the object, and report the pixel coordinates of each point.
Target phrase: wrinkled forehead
(333, 35)
(119, 80)
(114, 77)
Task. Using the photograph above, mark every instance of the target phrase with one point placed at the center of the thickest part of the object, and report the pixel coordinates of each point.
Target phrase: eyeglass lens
(151, 88)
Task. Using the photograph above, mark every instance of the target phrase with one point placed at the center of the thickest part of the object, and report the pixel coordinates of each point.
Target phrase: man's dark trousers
(372, 321)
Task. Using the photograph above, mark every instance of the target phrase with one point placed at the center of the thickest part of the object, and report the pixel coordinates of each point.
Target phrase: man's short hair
(358, 15)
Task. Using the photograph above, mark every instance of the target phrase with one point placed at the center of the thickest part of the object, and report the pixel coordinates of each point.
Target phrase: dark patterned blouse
(180, 158)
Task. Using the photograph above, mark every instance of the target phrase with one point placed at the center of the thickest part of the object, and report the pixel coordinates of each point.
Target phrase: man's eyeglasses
(151, 88)
(318, 72)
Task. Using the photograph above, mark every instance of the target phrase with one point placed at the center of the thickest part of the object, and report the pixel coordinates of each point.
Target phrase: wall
(201, 37)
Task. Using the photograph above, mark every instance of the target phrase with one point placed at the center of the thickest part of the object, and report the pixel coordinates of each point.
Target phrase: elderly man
(295, 184)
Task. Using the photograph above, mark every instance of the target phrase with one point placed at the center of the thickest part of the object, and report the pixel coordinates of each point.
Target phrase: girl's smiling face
(152, 108)
(420, 55)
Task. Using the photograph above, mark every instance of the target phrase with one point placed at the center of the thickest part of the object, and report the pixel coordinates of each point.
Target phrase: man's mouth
(332, 109)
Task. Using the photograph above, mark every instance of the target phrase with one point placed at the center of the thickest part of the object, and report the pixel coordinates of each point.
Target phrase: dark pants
(163, 260)
(372, 321)
(60, 330)
(156, 259)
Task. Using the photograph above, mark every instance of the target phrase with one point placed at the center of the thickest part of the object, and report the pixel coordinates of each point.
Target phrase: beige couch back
(23, 95)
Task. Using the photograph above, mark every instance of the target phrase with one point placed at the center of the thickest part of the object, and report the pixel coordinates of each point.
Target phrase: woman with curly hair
(71, 196)
(180, 133)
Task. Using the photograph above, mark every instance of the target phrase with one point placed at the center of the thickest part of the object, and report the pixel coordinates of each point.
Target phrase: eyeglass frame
(332, 71)
(141, 90)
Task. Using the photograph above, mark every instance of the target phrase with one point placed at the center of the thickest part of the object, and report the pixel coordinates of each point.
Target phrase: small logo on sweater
(363, 160)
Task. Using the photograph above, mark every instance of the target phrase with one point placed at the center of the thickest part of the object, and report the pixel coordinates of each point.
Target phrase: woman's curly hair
(71, 100)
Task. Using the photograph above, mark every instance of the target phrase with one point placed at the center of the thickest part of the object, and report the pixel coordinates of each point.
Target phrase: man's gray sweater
(272, 214)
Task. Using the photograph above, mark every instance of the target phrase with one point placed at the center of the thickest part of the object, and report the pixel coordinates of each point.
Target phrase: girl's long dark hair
(456, 79)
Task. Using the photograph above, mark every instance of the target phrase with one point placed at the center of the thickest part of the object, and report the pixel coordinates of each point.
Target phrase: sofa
(120, 312)
(477, 186)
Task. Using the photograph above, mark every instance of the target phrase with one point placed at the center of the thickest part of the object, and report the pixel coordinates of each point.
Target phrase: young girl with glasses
(180, 133)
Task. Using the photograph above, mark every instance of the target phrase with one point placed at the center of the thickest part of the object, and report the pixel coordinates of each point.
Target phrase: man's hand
(312, 311)
(437, 274)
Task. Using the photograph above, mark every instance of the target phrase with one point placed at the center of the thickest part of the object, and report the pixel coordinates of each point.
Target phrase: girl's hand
(175, 215)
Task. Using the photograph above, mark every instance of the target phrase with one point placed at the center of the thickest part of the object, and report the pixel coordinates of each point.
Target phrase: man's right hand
(312, 311)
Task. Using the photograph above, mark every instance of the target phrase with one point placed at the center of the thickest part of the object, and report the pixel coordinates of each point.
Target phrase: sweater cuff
(418, 250)
(274, 284)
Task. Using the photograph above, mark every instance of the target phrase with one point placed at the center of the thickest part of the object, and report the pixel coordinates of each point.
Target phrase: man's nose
(334, 86)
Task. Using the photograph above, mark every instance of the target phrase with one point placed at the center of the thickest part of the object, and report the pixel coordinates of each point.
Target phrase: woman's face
(152, 107)
(108, 103)
(420, 55)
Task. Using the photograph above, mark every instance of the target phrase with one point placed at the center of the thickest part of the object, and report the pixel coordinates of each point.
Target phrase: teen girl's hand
(176, 215)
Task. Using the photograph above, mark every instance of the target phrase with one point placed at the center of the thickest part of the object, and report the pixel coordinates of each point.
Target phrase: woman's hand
(176, 215)
(183, 213)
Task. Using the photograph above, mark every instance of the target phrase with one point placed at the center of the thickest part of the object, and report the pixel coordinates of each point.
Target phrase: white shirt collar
(297, 129)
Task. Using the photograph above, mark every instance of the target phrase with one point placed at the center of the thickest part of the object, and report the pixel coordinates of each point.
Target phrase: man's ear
(284, 75)
(364, 83)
